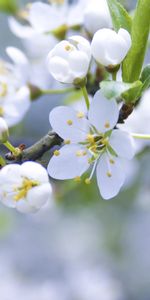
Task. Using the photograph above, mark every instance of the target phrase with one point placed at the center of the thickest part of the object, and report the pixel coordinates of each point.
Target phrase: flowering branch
(37, 150)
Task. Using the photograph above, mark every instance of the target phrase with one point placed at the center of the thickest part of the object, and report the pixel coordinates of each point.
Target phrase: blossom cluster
(66, 44)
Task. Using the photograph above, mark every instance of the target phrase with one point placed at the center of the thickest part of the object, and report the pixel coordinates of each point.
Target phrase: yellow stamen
(67, 142)
(68, 47)
(3, 90)
(112, 161)
(109, 174)
(90, 138)
(56, 152)
(80, 115)
(87, 181)
(107, 125)
(77, 179)
(105, 141)
(27, 185)
(81, 153)
(69, 122)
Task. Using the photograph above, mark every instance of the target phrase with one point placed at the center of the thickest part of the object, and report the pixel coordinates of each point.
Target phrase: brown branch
(37, 150)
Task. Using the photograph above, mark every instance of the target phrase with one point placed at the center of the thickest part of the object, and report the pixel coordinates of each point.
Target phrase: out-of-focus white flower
(91, 141)
(14, 93)
(110, 48)
(97, 16)
(139, 121)
(24, 187)
(36, 44)
(69, 60)
(3, 131)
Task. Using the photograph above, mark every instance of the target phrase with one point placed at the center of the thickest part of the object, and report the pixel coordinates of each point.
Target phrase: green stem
(114, 76)
(12, 149)
(133, 63)
(2, 161)
(57, 92)
(141, 136)
(86, 97)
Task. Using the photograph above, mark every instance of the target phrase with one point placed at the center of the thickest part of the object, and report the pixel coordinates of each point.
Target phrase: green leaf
(145, 78)
(120, 16)
(129, 92)
(134, 93)
(133, 63)
(9, 6)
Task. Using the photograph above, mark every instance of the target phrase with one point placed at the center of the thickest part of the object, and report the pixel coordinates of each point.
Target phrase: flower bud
(110, 48)
(69, 61)
(97, 16)
(4, 134)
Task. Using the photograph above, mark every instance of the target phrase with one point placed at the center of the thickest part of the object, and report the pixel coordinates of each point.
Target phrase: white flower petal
(20, 30)
(110, 186)
(109, 47)
(35, 171)
(24, 207)
(78, 63)
(44, 17)
(123, 143)
(65, 122)
(82, 44)
(103, 113)
(17, 56)
(59, 69)
(39, 196)
(68, 164)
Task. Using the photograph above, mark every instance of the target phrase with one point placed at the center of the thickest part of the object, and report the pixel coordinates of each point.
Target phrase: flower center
(22, 190)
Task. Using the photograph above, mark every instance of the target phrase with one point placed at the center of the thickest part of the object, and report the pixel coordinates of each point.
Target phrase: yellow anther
(105, 141)
(107, 125)
(22, 190)
(68, 47)
(112, 161)
(81, 153)
(67, 142)
(109, 174)
(90, 138)
(69, 122)
(1, 111)
(87, 181)
(80, 115)
(94, 148)
(56, 152)
(84, 153)
(77, 179)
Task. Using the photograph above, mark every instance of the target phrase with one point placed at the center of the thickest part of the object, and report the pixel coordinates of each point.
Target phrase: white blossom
(69, 61)
(91, 142)
(24, 187)
(139, 121)
(14, 93)
(110, 48)
(97, 16)
(3, 131)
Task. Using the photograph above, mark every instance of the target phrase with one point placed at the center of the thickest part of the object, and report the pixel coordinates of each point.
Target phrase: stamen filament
(141, 136)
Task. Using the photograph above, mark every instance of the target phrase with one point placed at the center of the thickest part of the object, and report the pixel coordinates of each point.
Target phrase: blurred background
(80, 247)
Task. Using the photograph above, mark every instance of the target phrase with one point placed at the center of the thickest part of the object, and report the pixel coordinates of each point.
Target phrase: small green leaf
(145, 78)
(129, 92)
(133, 94)
(133, 63)
(9, 6)
(120, 16)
